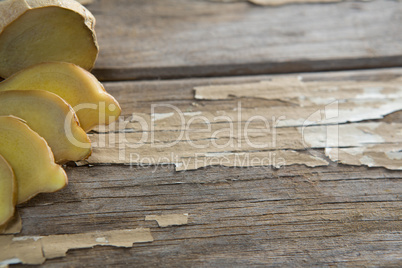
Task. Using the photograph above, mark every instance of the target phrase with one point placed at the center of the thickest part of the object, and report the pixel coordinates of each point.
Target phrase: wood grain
(142, 39)
(347, 216)
(295, 216)
(137, 96)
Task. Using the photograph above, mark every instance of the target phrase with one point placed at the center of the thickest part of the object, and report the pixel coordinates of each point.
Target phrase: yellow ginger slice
(34, 31)
(92, 104)
(52, 118)
(8, 191)
(31, 159)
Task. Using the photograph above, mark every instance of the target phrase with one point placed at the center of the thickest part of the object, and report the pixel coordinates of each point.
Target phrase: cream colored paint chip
(327, 115)
(35, 250)
(57, 245)
(168, 219)
(13, 226)
(27, 251)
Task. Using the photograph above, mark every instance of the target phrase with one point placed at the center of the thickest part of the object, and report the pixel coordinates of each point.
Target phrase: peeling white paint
(394, 155)
(340, 135)
(371, 93)
(8, 262)
(356, 150)
(24, 238)
(217, 154)
(160, 116)
(101, 240)
(368, 161)
(321, 101)
(178, 165)
(192, 113)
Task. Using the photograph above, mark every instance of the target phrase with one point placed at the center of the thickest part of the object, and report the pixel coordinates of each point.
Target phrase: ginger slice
(8, 191)
(30, 158)
(92, 104)
(52, 118)
(33, 31)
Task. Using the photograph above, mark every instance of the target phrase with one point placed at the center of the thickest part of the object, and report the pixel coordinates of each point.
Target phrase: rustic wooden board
(294, 216)
(142, 39)
(138, 96)
(255, 216)
(183, 138)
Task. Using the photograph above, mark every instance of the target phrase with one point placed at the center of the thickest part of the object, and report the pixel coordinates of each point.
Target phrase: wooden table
(156, 52)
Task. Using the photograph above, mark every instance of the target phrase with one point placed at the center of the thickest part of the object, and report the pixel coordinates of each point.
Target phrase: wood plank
(171, 136)
(142, 39)
(347, 216)
(137, 96)
(258, 216)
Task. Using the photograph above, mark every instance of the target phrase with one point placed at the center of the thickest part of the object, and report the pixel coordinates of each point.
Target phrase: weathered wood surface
(185, 139)
(293, 216)
(142, 39)
(138, 96)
